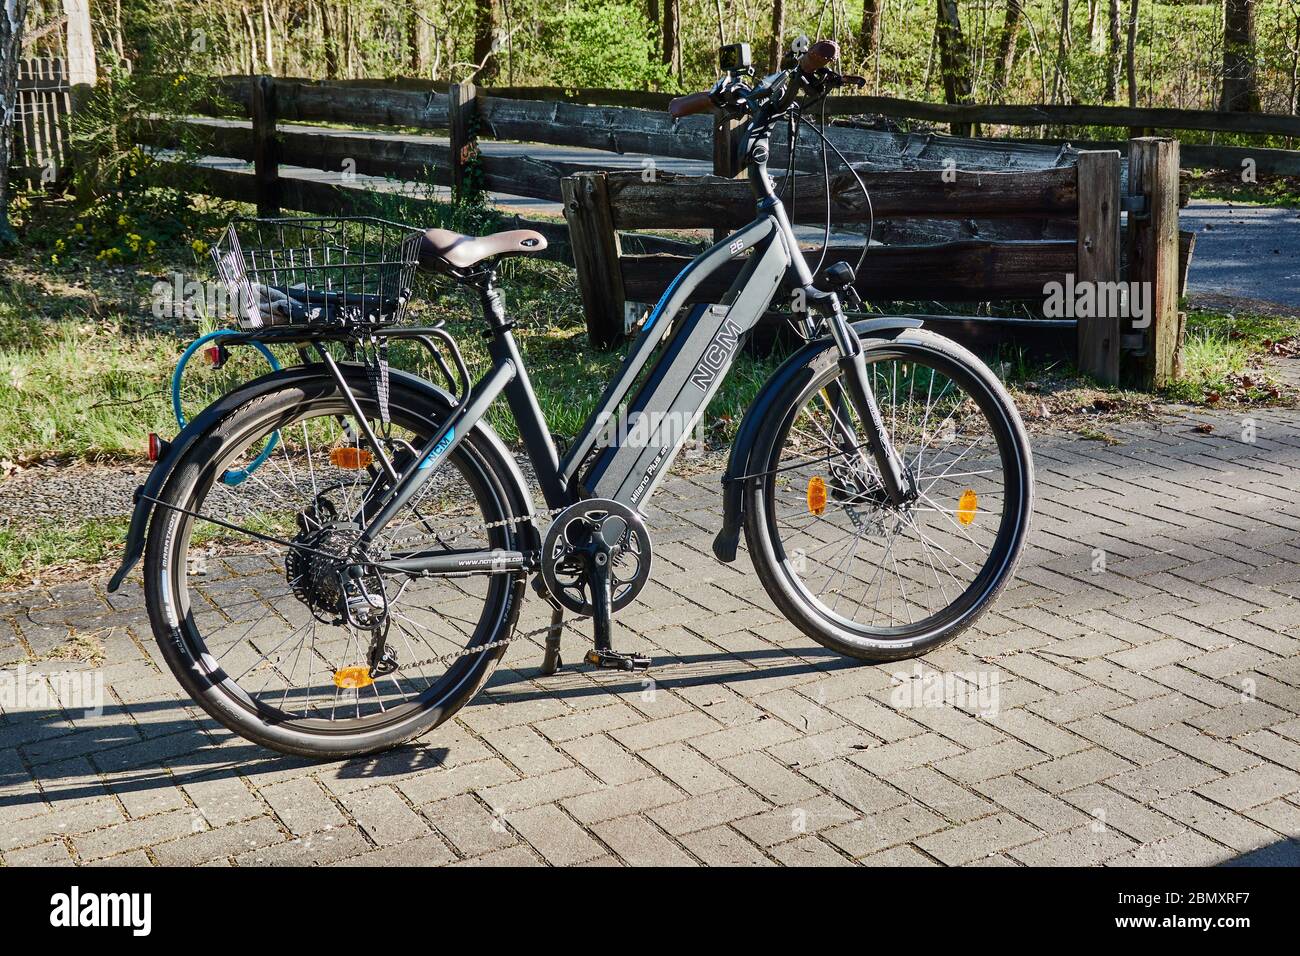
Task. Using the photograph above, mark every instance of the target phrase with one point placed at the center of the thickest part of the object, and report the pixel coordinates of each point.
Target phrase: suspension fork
(897, 480)
(894, 475)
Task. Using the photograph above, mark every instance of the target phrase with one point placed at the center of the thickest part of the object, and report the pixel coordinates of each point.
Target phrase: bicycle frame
(700, 348)
(695, 360)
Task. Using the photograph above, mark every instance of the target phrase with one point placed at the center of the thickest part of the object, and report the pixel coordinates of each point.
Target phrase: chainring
(564, 555)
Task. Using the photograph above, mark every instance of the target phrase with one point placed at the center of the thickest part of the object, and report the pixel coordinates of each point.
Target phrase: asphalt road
(1250, 252)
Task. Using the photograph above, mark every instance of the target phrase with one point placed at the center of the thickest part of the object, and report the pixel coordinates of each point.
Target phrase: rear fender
(764, 404)
(439, 400)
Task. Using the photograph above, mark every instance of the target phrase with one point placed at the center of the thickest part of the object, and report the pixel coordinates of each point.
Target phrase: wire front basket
(346, 271)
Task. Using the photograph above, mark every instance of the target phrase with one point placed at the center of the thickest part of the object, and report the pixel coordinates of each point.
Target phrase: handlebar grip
(689, 105)
(818, 55)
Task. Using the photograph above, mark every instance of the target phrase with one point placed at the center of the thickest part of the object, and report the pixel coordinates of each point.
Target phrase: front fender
(727, 542)
(440, 401)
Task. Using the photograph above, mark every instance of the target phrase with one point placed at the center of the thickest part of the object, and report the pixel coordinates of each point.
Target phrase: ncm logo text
(717, 356)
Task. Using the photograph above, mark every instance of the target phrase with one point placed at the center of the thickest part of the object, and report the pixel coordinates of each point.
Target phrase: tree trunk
(484, 24)
(119, 41)
(1240, 92)
(329, 41)
(1294, 101)
(778, 31)
(670, 52)
(652, 15)
(1130, 54)
(1113, 42)
(11, 50)
(251, 32)
(266, 32)
(954, 60)
(869, 35)
(415, 42)
(1059, 85)
(349, 43)
(1006, 51)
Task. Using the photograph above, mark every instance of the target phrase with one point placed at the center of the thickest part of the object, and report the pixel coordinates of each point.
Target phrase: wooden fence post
(82, 73)
(596, 251)
(1153, 259)
(1098, 245)
(724, 158)
(266, 158)
(462, 120)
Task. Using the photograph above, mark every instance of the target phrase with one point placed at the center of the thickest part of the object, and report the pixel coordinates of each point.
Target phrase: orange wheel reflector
(353, 678)
(350, 456)
(967, 505)
(816, 495)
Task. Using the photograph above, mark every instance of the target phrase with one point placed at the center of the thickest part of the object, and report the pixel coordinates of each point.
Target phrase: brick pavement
(1147, 662)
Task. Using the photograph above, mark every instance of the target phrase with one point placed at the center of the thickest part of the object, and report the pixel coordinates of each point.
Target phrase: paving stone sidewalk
(1147, 662)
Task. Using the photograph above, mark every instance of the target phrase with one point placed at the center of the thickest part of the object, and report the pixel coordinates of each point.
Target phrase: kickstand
(551, 662)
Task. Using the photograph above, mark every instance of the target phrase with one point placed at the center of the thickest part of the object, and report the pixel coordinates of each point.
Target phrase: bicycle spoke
(284, 638)
(908, 572)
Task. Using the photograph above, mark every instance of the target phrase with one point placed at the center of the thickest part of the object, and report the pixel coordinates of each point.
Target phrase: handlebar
(818, 55)
(813, 60)
(690, 104)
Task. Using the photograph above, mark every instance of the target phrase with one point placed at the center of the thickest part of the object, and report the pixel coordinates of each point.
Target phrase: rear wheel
(853, 571)
(250, 608)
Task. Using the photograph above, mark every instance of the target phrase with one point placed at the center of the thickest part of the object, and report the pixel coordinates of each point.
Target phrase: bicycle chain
(451, 534)
(450, 658)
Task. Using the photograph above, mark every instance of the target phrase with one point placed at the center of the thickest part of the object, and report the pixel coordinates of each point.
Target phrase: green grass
(1255, 331)
(80, 388)
(1267, 191)
(27, 551)
(79, 385)
(1222, 358)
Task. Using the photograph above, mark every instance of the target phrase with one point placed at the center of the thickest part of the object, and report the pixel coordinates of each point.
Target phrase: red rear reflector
(212, 354)
(156, 446)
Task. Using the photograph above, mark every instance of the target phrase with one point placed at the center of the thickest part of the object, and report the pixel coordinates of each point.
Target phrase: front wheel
(840, 560)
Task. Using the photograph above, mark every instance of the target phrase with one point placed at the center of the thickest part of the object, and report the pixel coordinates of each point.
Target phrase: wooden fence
(1010, 217)
(1138, 120)
(600, 204)
(44, 103)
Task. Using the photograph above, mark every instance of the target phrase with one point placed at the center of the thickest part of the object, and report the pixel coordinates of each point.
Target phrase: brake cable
(871, 213)
(792, 140)
(826, 186)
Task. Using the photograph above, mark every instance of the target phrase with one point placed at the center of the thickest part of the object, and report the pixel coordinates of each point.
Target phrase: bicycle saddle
(442, 248)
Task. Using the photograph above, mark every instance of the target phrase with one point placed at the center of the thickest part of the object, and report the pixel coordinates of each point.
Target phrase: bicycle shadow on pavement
(516, 684)
(110, 757)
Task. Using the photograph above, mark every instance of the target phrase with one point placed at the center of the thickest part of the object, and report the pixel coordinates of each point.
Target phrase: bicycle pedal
(617, 660)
